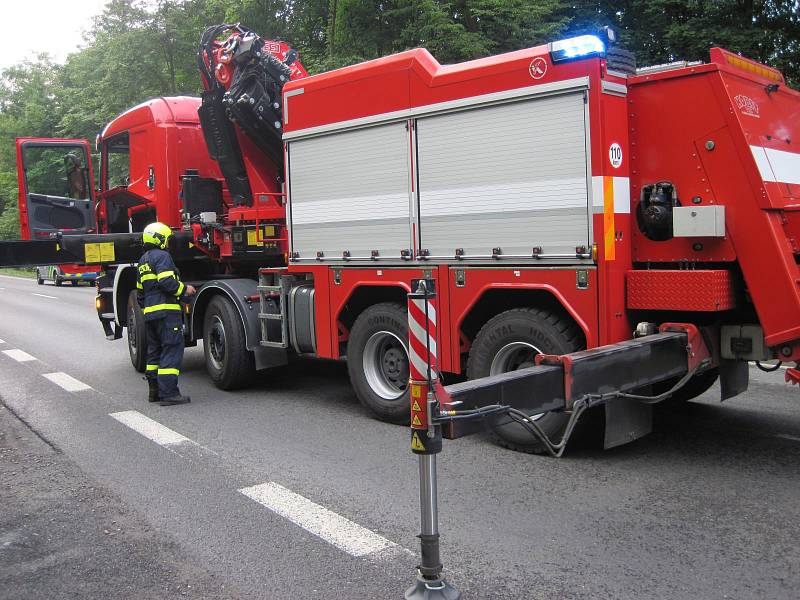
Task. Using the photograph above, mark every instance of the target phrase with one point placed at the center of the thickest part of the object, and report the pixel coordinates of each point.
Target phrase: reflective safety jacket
(158, 285)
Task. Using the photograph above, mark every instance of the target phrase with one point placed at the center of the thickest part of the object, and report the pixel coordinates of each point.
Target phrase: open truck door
(56, 188)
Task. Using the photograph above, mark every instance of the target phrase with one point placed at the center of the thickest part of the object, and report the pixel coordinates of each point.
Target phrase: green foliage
(138, 49)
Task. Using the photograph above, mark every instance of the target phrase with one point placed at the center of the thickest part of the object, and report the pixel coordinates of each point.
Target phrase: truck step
(108, 316)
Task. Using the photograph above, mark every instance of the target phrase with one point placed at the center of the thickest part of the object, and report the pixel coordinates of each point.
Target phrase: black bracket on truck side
(243, 294)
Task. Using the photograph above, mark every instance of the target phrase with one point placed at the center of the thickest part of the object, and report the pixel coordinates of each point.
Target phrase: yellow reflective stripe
(181, 287)
(169, 372)
(155, 307)
(148, 277)
(165, 274)
(139, 286)
(152, 367)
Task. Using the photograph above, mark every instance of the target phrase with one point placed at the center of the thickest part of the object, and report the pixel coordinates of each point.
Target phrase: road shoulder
(62, 535)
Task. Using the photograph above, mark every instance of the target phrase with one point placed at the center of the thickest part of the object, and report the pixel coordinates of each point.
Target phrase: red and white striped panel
(422, 338)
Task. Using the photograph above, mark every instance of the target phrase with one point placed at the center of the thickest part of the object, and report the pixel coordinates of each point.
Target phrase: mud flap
(734, 377)
(626, 420)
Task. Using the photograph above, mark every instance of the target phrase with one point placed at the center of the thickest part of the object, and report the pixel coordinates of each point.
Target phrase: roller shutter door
(350, 192)
(512, 176)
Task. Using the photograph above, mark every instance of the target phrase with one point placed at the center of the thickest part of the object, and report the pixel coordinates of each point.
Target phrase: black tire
(697, 385)
(619, 59)
(58, 281)
(377, 361)
(39, 279)
(509, 341)
(137, 334)
(74, 282)
(228, 362)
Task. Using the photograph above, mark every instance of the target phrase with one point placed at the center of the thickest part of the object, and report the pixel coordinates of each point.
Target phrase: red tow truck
(559, 198)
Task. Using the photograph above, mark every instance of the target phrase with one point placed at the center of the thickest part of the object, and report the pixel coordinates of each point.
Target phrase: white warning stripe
(777, 165)
(19, 355)
(420, 365)
(67, 382)
(318, 520)
(152, 430)
(622, 195)
(418, 331)
(420, 304)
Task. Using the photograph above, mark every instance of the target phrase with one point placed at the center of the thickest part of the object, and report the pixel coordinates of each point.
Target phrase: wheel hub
(216, 343)
(385, 365)
(132, 328)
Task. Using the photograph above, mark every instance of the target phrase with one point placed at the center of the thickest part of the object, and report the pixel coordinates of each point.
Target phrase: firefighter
(160, 292)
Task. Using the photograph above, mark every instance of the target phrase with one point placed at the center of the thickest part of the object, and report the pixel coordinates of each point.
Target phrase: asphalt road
(705, 507)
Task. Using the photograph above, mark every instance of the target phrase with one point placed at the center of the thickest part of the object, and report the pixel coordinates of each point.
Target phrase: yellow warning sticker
(415, 406)
(416, 421)
(106, 252)
(416, 392)
(416, 443)
(91, 253)
(252, 237)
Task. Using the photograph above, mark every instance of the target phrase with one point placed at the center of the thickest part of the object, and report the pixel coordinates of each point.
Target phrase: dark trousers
(165, 353)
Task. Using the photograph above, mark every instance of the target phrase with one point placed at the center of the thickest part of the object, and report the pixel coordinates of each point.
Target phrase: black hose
(769, 370)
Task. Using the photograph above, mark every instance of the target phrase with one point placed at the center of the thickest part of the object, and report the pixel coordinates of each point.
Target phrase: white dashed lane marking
(2, 341)
(18, 355)
(67, 382)
(326, 524)
(45, 296)
(161, 435)
(152, 430)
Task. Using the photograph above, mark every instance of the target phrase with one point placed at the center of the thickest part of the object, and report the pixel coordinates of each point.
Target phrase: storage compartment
(512, 176)
(349, 194)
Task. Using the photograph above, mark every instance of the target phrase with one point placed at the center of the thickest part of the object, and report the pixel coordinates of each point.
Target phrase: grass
(25, 272)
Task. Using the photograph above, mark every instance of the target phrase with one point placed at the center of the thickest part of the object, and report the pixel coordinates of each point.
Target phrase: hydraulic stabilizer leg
(426, 440)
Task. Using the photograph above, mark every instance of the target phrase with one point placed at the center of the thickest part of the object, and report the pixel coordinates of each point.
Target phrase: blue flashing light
(577, 47)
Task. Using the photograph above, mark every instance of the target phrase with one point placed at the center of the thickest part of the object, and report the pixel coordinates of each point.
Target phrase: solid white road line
(152, 430)
(45, 296)
(67, 382)
(331, 527)
(18, 355)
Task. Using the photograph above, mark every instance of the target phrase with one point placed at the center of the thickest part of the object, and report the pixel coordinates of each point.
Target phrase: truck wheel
(39, 279)
(74, 282)
(510, 341)
(377, 361)
(58, 281)
(137, 334)
(228, 362)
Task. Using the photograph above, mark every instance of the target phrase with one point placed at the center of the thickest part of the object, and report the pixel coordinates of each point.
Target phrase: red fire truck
(559, 197)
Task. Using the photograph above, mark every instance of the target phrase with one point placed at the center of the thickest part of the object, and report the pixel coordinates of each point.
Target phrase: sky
(52, 26)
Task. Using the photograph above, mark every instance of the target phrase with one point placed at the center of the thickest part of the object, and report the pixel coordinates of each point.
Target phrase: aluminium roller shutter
(512, 176)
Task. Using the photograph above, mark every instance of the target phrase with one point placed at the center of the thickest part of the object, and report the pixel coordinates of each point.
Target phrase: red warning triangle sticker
(416, 421)
(415, 406)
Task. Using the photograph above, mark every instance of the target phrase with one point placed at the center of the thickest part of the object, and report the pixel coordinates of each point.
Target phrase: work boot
(173, 400)
(152, 395)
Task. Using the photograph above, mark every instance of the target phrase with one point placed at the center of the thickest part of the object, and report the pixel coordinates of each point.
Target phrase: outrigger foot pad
(432, 589)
